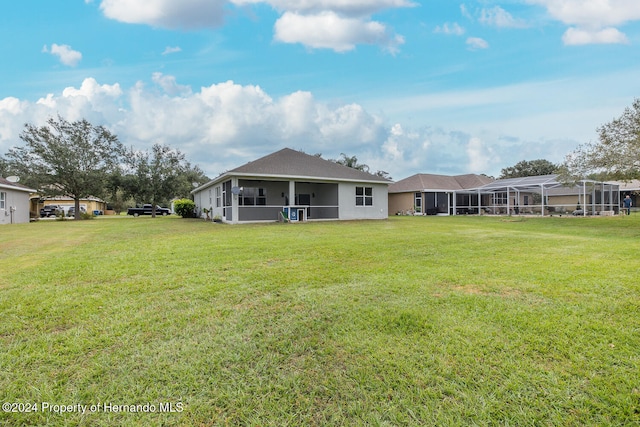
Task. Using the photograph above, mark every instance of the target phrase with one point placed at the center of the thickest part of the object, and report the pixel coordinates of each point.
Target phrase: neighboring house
(546, 195)
(89, 204)
(435, 194)
(294, 185)
(14, 202)
(473, 194)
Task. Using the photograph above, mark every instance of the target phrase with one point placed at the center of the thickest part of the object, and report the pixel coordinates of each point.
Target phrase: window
(252, 196)
(3, 200)
(499, 198)
(526, 200)
(364, 196)
(218, 197)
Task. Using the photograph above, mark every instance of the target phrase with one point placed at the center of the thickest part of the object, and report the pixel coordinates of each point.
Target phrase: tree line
(79, 160)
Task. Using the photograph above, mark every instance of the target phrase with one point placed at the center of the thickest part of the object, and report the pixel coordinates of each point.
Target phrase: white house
(294, 185)
(14, 202)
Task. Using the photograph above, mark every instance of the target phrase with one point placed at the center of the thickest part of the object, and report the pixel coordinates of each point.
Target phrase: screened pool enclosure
(537, 195)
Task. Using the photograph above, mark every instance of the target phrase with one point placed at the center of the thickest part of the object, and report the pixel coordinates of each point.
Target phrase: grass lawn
(409, 321)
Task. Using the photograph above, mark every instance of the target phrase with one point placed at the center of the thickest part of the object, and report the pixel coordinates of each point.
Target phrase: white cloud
(592, 13)
(353, 8)
(169, 85)
(593, 21)
(449, 29)
(478, 155)
(332, 24)
(169, 50)
(185, 14)
(475, 43)
(577, 36)
(65, 53)
(498, 17)
(465, 11)
(329, 30)
(224, 125)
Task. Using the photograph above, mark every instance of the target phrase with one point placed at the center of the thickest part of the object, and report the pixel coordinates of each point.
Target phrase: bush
(184, 207)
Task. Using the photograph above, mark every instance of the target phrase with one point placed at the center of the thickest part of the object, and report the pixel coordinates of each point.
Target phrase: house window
(218, 197)
(364, 196)
(499, 198)
(252, 196)
(526, 200)
(3, 200)
(210, 200)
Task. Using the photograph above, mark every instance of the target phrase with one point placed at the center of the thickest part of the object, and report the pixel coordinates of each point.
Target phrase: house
(546, 195)
(87, 204)
(473, 194)
(292, 185)
(14, 202)
(435, 194)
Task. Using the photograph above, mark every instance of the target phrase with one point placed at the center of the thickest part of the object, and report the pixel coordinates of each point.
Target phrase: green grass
(410, 321)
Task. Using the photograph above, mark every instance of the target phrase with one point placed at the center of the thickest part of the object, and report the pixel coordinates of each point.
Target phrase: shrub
(184, 207)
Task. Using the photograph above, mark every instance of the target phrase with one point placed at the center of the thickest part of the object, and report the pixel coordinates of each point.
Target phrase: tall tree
(154, 176)
(529, 168)
(4, 167)
(190, 176)
(616, 154)
(351, 162)
(72, 159)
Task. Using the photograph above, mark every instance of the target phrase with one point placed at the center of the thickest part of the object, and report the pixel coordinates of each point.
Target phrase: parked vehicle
(146, 210)
(51, 210)
(72, 211)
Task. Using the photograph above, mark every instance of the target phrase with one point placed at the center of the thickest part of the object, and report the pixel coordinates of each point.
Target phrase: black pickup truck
(146, 210)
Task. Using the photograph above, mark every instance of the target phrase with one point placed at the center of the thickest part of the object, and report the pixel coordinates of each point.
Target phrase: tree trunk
(76, 203)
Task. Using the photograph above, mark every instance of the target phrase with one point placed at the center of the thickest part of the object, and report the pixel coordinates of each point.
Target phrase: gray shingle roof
(292, 163)
(19, 187)
(424, 181)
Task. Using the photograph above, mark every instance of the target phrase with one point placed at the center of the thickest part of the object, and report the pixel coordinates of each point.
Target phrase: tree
(351, 162)
(189, 177)
(529, 168)
(4, 167)
(154, 176)
(63, 158)
(616, 154)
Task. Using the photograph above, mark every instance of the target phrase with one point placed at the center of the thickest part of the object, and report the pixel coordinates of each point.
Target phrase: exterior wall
(16, 207)
(567, 203)
(327, 200)
(401, 202)
(347, 201)
(89, 205)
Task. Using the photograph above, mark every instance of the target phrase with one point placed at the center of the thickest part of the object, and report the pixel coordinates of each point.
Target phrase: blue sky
(406, 86)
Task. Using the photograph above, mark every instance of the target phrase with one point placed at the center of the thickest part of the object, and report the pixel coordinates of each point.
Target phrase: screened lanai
(539, 195)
